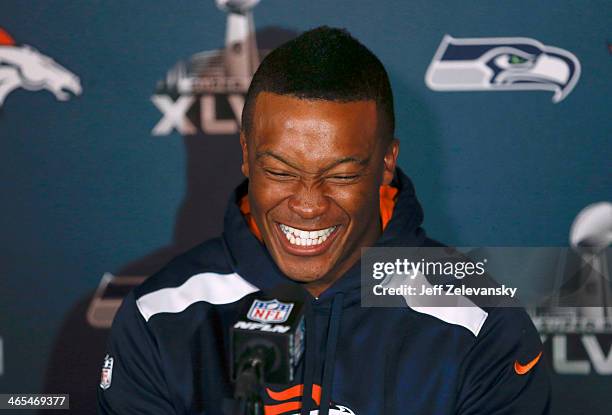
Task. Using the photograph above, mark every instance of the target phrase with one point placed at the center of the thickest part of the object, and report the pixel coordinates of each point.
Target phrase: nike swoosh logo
(522, 369)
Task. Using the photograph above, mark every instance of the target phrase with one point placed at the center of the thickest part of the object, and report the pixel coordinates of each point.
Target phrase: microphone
(266, 344)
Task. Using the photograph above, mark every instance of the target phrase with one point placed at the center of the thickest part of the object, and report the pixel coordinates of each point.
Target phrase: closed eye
(278, 174)
(344, 178)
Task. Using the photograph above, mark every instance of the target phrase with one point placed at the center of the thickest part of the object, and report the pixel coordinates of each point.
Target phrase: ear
(390, 161)
(245, 155)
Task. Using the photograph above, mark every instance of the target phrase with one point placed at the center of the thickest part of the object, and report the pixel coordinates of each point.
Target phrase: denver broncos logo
(289, 402)
(25, 67)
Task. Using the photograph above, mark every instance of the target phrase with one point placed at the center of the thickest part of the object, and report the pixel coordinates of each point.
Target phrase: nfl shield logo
(272, 311)
(107, 372)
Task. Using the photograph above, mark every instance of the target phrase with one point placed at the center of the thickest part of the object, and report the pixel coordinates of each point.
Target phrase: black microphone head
(270, 333)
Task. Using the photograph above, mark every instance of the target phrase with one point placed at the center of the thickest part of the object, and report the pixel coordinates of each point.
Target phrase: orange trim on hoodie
(388, 196)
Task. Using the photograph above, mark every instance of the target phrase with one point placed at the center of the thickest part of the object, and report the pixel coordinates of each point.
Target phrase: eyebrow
(361, 162)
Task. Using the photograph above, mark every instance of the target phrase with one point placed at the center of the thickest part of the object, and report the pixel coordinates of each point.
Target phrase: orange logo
(287, 402)
(293, 392)
(522, 369)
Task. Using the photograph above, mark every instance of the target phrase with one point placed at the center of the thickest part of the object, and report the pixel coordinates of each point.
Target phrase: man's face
(314, 170)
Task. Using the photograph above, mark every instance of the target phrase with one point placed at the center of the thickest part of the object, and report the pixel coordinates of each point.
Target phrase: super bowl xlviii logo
(502, 64)
(575, 322)
(272, 311)
(106, 376)
(22, 66)
(206, 93)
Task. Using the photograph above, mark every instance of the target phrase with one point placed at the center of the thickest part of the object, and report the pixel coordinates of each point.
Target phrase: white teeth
(306, 238)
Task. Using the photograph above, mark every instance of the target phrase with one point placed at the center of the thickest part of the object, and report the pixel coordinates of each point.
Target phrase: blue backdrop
(88, 189)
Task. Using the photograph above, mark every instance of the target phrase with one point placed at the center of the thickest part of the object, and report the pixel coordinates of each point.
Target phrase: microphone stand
(249, 380)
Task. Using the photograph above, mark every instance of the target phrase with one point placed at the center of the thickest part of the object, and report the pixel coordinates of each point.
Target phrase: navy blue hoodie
(168, 351)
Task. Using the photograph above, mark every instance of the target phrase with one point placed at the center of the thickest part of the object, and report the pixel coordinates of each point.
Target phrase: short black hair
(328, 64)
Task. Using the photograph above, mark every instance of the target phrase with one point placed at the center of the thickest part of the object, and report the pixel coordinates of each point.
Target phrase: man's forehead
(314, 124)
(271, 108)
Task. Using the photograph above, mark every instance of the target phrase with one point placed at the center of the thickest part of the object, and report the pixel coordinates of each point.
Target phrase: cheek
(266, 194)
(359, 202)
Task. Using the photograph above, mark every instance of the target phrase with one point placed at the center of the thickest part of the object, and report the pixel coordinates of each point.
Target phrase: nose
(309, 202)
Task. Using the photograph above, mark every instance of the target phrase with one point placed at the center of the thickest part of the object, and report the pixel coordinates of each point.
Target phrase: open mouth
(299, 237)
(306, 242)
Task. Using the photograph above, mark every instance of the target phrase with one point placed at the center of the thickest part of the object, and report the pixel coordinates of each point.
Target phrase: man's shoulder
(505, 323)
(206, 257)
(202, 275)
(508, 324)
(509, 320)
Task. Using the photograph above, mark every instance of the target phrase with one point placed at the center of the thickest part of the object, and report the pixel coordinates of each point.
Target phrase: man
(320, 159)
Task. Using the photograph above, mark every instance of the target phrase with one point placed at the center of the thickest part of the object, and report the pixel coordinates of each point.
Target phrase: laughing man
(320, 159)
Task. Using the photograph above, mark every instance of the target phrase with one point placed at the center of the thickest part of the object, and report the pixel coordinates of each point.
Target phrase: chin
(301, 274)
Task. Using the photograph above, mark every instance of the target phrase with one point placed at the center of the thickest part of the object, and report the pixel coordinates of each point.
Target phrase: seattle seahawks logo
(502, 64)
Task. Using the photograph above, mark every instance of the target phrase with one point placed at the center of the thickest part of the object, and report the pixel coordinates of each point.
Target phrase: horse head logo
(27, 68)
